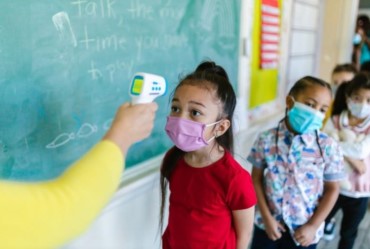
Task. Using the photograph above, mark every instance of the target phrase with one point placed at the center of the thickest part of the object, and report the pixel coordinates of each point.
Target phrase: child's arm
(357, 150)
(356, 164)
(243, 222)
(273, 228)
(305, 235)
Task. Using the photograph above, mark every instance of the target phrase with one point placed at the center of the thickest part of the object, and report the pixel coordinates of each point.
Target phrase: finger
(281, 227)
(276, 235)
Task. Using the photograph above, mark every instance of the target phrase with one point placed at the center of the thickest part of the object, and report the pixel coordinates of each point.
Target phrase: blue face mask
(357, 39)
(304, 119)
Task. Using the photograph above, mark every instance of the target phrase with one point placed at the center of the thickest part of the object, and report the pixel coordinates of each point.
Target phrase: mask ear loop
(318, 144)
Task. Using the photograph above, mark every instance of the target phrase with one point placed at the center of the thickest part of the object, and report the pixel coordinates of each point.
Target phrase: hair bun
(213, 68)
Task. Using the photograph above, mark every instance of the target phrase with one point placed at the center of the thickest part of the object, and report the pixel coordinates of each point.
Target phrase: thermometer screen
(137, 85)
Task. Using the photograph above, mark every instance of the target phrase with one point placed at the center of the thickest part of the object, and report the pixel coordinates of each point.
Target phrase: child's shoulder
(267, 134)
(232, 165)
(325, 139)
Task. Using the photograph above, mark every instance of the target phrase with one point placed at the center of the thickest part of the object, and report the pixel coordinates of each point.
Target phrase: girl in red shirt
(212, 197)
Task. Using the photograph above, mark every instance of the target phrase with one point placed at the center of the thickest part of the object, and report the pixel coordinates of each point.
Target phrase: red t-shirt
(201, 202)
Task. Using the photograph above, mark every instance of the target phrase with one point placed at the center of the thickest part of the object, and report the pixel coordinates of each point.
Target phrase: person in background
(361, 41)
(49, 214)
(212, 197)
(296, 170)
(350, 122)
(341, 73)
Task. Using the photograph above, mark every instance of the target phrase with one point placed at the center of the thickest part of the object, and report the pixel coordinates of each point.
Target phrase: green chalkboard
(66, 65)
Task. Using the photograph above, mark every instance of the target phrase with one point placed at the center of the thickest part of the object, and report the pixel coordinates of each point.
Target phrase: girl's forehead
(205, 92)
(361, 91)
(316, 92)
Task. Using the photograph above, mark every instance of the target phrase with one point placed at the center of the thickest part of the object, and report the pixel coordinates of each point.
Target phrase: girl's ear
(222, 127)
(289, 102)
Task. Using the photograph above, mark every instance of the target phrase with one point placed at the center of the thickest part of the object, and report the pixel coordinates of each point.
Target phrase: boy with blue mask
(295, 166)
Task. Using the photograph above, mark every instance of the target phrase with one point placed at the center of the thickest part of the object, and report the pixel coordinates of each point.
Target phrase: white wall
(338, 29)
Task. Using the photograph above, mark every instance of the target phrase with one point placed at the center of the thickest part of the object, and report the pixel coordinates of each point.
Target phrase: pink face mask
(187, 135)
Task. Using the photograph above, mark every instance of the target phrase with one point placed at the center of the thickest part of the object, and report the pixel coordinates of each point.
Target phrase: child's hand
(274, 229)
(357, 165)
(305, 235)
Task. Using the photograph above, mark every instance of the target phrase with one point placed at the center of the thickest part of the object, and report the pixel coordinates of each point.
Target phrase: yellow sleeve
(49, 214)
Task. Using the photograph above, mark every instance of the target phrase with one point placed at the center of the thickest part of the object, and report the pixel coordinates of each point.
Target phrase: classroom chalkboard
(66, 65)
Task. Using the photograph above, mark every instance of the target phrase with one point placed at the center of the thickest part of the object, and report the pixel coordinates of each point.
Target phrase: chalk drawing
(86, 130)
(61, 140)
(107, 124)
(63, 26)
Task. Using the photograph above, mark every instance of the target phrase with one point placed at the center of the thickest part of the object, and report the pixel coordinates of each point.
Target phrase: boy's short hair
(347, 67)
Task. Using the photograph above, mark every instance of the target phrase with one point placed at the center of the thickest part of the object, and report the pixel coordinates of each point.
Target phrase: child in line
(296, 169)
(341, 73)
(351, 111)
(212, 198)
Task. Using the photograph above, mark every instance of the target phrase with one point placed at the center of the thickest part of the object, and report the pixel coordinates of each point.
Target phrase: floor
(363, 237)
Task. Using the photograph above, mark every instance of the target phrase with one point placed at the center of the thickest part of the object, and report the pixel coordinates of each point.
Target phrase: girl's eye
(323, 110)
(195, 113)
(310, 105)
(356, 98)
(175, 109)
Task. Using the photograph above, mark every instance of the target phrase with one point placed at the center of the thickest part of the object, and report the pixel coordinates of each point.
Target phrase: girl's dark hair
(347, 67)
(360, 81)
(306, 81)
(212, 76)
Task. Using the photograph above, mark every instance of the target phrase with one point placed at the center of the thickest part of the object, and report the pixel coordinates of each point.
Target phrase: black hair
(365, 67)
(207, 74)
(305, 82)
(360, 81)
(347, 67)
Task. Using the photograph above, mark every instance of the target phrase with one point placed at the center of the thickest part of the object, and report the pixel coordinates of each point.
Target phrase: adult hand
(131, 124)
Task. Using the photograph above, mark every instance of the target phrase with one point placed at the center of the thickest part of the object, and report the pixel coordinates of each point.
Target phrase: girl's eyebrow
(191, 102)
(197, 103)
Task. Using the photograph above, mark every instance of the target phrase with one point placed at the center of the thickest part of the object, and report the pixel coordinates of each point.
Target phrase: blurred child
(212, 197)
(351, 114)
(342, 73)
(296, 169)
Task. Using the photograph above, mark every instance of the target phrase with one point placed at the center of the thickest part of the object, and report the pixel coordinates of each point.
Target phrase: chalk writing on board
(111, 41)
(98, 8)
(112, 70)
(85, 131)
(63, 26)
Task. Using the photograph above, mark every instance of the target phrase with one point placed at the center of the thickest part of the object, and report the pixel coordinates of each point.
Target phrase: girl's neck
(354, 121)
(204, 157)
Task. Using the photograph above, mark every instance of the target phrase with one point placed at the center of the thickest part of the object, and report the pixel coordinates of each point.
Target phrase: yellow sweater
(48, 214)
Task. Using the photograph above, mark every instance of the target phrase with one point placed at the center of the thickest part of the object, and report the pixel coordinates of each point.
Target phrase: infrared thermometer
(145, 87)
